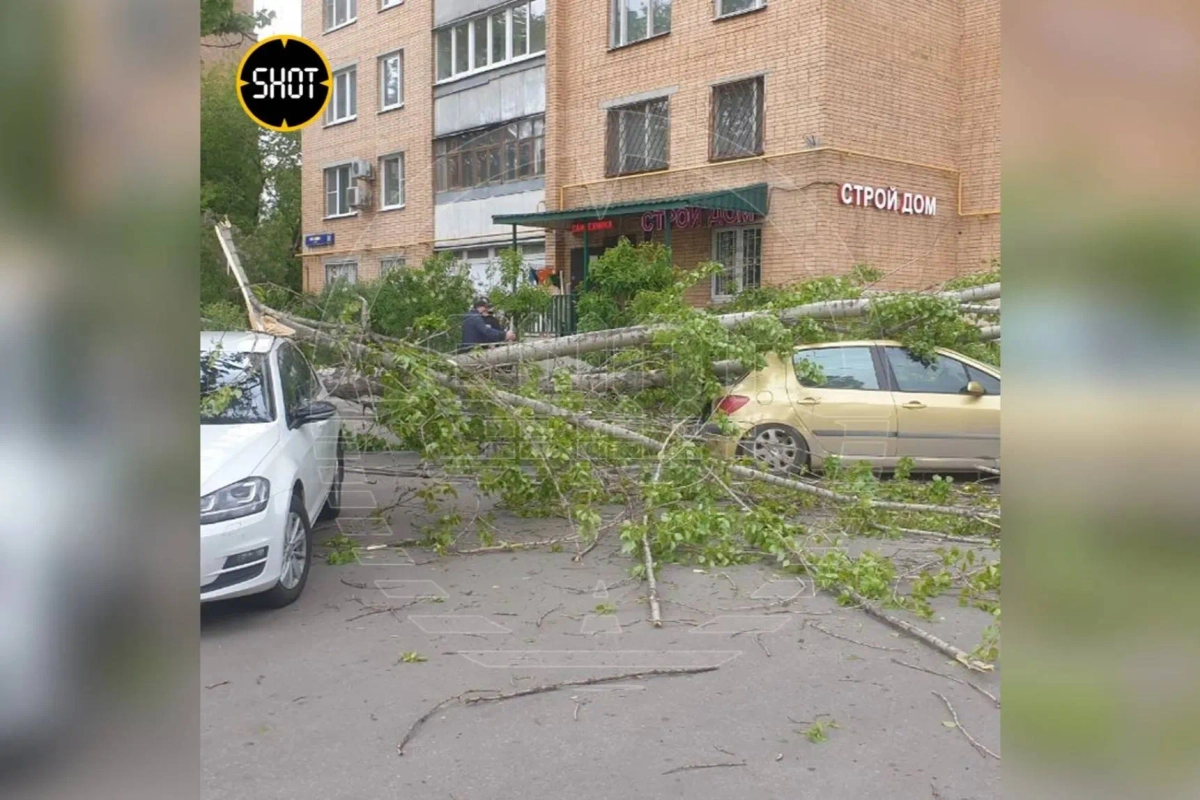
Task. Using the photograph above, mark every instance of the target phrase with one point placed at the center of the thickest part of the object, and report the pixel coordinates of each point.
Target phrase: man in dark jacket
(476, 331)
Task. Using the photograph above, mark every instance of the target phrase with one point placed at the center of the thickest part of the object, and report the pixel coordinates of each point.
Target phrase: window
(296, 380)
(638, 137)
(245, 372)
(512, 151)
(634, 20)
(385, 4)
(391, 168)
(343, 106)
(943, 376)
(339, 13)
(737, 119)
(840, 368)
(391, 81)
(341, 271)
(445, 53)
(337, 185)
(990, 385)
(491, 39)
(739, 250)
(727, 7)
(389, 264)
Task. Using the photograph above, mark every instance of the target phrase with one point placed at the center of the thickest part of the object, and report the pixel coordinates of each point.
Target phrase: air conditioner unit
(358, 196)
(361, 169)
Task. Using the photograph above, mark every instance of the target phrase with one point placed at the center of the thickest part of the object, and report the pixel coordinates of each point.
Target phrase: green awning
(751, 199)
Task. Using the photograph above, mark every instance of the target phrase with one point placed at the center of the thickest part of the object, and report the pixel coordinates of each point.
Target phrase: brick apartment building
(786, 140)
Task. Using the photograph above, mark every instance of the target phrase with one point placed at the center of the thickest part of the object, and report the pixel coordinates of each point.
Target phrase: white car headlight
(239, 499)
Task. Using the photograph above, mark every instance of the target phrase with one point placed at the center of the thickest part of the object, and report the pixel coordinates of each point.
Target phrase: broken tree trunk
(618, 338)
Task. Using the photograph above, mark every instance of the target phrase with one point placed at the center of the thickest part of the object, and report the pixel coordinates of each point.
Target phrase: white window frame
(351, 7)
(383, 181)
(345, 262)
(384, 5)
(341, 191)
(719, 14)
(351, 105)
(619, 36)
(509, 56)
(382, 60)
(739, 255)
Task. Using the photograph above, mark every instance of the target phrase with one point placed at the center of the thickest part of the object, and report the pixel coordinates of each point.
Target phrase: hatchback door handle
(810, 401)
(913, 404)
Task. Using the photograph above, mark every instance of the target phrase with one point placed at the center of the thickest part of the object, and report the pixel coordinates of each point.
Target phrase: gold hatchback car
(873, 402)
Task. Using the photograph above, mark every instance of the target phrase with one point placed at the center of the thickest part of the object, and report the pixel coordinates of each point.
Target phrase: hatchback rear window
(836, 368)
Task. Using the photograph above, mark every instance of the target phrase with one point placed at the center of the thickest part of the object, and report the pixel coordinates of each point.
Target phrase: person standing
(476, 331)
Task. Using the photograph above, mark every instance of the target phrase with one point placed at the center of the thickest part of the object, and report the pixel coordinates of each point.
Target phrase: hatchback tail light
(732, 402)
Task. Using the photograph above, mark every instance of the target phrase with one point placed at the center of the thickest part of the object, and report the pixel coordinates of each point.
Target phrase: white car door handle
(913, 404)
(809, 401)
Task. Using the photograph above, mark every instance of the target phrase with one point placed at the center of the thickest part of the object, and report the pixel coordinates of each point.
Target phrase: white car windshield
(234, 389)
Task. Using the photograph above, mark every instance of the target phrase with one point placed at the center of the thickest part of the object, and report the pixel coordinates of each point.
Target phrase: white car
(271, 462)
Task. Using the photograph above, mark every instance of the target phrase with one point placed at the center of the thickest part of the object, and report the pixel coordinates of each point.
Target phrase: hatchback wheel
(777, 447)
(297, 558)
(333, 503)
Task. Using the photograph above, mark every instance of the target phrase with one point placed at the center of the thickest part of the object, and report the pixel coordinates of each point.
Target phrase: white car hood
(229, 453)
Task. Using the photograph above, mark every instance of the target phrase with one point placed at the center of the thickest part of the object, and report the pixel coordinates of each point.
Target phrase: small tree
(516, 296)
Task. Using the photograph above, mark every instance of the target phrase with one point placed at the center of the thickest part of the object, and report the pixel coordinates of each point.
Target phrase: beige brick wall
(910, 88)
(883, 79)
(373, 233)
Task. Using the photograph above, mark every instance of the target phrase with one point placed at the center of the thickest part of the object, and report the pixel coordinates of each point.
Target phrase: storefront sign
(318, 240)
(888, 199)
(592, 225)
(695, 218)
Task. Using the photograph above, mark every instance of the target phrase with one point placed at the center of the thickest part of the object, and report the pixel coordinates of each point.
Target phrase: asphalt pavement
(802, 698)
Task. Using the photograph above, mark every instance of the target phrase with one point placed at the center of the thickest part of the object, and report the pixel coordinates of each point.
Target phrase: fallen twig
(948, 677)
(385, 609)
(353, 584)
(215, 685)
(496, 698)
(758, 638)
(945, 537)
(505, 547)
(542, 618)
(852, 641)
(958, 654)
(706, 766)
(974, 742)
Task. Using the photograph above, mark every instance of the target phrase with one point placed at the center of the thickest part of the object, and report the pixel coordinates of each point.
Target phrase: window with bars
(391, 171)
(638, 138)
(737, 119)
(389, 264)
(339, 13)
(337, 271)
(343, 106)
(337, 185)
(391, 80)
(492, 39)
(511, 151)
(739, 251)
(634, 20)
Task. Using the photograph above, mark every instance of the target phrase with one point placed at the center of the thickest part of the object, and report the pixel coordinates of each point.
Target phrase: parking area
(802, 698)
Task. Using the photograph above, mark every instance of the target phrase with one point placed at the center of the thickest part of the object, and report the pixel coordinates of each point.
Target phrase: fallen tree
(620, 338)
(565, 457)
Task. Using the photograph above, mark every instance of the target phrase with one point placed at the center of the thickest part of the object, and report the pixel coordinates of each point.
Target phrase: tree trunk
(618, 338)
